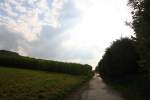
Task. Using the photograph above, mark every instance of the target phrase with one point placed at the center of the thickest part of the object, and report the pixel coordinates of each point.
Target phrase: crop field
(21, 84)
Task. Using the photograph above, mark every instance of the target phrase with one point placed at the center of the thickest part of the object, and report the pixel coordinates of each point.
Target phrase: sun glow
(65, 30)
(101, 23)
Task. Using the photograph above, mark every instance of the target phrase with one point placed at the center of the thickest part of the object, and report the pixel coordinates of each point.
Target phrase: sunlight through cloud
(66, 30)
(102, 22)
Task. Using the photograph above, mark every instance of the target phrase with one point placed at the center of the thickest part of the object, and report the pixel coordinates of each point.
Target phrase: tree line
(119, 61)
(12, 59)
(128, 56)
(127, 60)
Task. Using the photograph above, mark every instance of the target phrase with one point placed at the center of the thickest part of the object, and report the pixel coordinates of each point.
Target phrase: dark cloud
(8, 39)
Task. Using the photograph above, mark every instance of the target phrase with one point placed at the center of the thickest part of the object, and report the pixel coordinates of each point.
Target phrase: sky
(64, 30)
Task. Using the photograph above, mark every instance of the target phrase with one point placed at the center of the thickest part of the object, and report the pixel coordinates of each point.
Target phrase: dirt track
(96, 89)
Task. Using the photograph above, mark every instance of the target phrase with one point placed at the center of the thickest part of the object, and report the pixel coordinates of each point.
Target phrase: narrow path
(96, 89)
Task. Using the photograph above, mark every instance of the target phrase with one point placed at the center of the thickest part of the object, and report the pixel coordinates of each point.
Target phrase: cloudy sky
(63, 30)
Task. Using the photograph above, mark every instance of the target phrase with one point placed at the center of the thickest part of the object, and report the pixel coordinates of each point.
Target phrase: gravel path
(96, 89)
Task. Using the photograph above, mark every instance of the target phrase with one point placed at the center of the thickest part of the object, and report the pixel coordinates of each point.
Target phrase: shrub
(119, 61)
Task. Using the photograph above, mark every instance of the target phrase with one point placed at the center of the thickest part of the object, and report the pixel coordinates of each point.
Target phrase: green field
(20, 84)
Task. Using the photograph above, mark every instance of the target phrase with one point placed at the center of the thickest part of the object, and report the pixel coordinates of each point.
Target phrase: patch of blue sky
(2, 1)
(50, 2)
(2, 13)
(29, 5)
(48, 32)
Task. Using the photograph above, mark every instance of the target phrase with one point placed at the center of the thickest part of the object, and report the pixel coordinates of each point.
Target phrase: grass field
(20, 84)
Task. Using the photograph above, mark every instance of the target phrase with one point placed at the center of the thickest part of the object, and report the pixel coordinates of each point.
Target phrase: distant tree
(141, 26)
(13, 59)
(97, 69)
(5, 52)
(119, 61)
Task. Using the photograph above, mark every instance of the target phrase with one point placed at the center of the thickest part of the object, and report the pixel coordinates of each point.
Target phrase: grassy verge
(20, 84)
(137, 89)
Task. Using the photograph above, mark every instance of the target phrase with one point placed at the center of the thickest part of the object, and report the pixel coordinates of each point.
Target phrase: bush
(119, 62)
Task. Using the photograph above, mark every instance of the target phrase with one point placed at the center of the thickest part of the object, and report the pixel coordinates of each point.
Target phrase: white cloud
(30, 25)
(6, 7)
(42, 5)
(21, 51)
(52, 17)
(83, 4)
(20, 8)
(102, 22)
(27, 21)
(27, 25)
(17, 5)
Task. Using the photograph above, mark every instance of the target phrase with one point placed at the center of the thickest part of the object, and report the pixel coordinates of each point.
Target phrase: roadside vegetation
(125, 66)
(37, 79)
(120, 69)
(21, 84)
(119, 62)
(12, 59)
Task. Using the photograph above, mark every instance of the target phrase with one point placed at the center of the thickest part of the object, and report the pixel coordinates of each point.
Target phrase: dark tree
(119, 61)
(141, 26)
(10, 53)
(13, 59)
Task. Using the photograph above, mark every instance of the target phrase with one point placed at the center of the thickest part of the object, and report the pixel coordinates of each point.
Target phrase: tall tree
(141, 26)
(119, 61)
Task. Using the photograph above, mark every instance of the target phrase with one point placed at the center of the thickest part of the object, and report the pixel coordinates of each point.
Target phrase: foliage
(119, 62)
(10, 53)
(140, 24)
(44, 65)
(21, 84)
(137, 89)
(97, 69)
